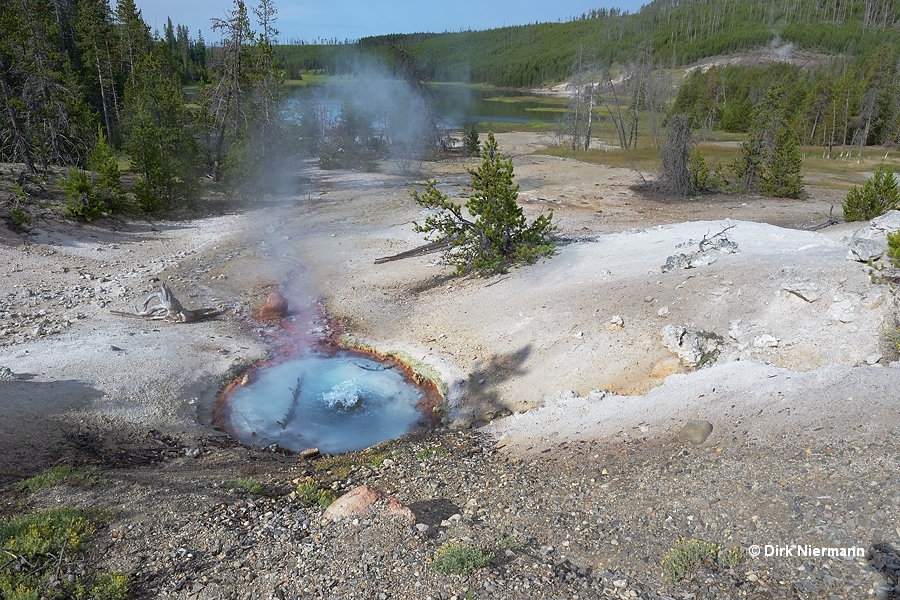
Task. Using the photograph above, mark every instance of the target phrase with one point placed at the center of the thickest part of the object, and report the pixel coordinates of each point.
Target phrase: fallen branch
(707, 240)
(497, 281)
(168, 308)
(641, 175)
(832, 220)
(292, 411)
(420, 251)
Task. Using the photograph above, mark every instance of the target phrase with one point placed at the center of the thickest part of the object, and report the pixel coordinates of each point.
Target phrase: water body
(457, 106)
(336, 403)
(317, 396)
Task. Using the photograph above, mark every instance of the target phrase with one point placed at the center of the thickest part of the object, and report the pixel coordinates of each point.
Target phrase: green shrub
(19, 217)
(61, 475)
(729, 558)
(248, 484)
(878, 195)
(894, 247)
(81, 197)
(690, 554)
(698, 170)
(334, 157)
(311, 494)
(459, 559)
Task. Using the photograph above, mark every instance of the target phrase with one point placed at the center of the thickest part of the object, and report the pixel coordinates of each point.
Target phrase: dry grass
(836, 172)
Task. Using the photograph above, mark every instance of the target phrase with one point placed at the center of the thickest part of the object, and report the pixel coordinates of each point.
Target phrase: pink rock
(396, 509)
(276, 307)
(359, 502)
(355, 503)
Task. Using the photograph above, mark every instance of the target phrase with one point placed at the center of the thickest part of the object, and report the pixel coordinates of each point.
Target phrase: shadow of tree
(31, 416)
(487, 378)
(431, 283)
(886, 560)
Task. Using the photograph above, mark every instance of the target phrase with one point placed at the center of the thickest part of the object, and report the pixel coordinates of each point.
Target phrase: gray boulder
(870, 243)
(694, 348)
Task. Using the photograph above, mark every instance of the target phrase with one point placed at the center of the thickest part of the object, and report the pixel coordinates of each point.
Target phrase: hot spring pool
(337, 403)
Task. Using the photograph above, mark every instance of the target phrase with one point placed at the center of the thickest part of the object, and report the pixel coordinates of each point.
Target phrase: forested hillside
(81, 82)
(849, 95)
(85, 86)
(844, 102)
(671, 31)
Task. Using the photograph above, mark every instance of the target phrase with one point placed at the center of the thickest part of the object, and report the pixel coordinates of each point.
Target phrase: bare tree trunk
(115, 99)
(103, 101)
(590, 117)
(618, 119)
(869, 111)
(675, 173)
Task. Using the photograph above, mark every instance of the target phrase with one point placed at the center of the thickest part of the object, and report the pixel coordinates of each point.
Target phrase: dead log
(889, 274)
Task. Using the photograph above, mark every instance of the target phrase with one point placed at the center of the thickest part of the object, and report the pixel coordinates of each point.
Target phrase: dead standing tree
(675, 174)
(626, 129)
(577, 125)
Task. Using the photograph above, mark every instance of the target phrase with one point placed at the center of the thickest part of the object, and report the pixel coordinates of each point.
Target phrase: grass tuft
(893, 338)
(248, 484)
(459, 559)
(688, 555)
(311, 494)
(44, 548)
(429, 452)
(61, 475)
(512, 542)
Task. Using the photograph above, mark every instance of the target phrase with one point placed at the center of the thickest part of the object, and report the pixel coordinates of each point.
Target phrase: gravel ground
(584, 520)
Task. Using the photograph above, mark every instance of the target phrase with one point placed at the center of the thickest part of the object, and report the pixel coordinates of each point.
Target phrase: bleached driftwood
(162, 305)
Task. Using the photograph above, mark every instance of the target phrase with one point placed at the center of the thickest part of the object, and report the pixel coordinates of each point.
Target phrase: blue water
(344, 402)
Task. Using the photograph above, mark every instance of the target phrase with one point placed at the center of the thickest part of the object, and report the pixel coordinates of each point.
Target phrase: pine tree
(161, 148)
(878, 195)
(471, 143)
(782, 174)
(497, 235)
(256, 149)
(107, 178)
(134, 36)
(227, 94)
(770, 160)
(46, 119)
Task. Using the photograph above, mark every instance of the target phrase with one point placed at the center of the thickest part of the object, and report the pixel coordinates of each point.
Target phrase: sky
(310, 20)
